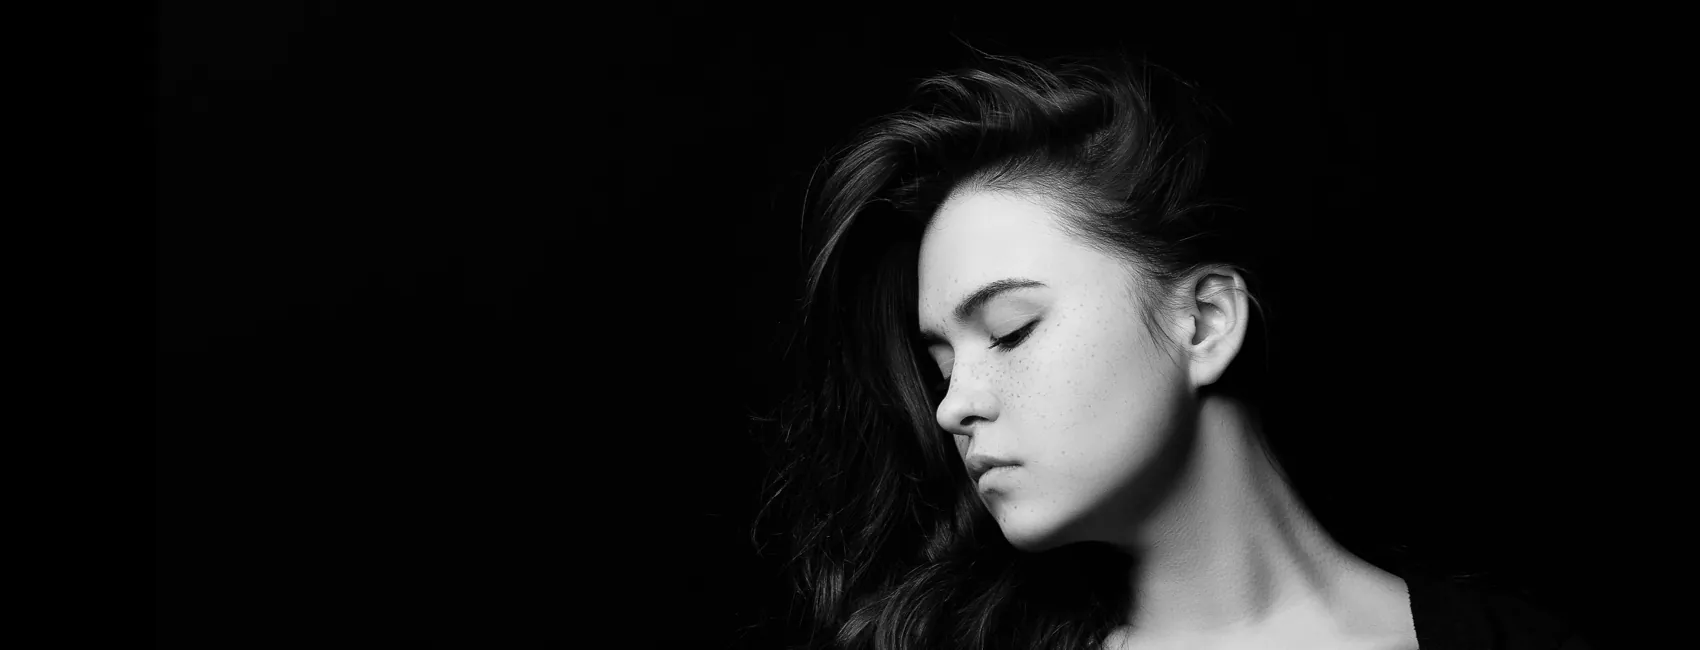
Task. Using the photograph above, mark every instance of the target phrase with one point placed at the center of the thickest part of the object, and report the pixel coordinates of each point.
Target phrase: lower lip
(995, 471)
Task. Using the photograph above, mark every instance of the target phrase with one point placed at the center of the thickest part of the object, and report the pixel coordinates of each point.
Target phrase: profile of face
(1080, 396)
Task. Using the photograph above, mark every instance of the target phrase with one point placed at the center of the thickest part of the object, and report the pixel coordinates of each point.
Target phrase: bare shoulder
(1373, 612)
(1124, 640)
(1399, 645)
(1382, 607)
(1405, 639)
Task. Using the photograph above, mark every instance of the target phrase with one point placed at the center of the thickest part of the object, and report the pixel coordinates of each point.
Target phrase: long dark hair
(886, 544)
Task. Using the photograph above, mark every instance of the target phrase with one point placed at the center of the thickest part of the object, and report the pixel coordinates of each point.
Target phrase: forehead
(989, 219)
(981, 236)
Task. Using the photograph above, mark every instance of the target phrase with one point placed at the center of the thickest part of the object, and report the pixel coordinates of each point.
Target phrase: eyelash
(1006, 343)
(1012, 339)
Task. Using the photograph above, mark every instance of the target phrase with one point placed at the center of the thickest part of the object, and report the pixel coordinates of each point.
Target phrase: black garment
(1451, 615)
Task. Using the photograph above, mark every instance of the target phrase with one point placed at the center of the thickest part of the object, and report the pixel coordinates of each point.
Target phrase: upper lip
(978, 465)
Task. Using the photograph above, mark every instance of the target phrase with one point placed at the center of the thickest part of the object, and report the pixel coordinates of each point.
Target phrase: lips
(991, 472)
(979, 465)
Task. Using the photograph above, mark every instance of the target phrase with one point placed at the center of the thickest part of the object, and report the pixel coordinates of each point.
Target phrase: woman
(1028, 415)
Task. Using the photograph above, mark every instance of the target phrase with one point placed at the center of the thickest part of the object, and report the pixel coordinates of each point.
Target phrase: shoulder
(1451, 613)
(1524, 621)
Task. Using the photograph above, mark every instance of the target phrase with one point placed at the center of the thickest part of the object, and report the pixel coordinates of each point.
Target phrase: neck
(1232, 549)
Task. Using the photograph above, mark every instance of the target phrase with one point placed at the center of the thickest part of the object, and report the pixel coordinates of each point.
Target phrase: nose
(964, 406)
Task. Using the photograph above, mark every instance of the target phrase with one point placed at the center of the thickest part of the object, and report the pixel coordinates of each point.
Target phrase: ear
(1214, 323)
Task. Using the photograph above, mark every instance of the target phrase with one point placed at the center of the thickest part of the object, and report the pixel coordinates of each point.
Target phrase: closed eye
(1006, 343)
(1009, 341)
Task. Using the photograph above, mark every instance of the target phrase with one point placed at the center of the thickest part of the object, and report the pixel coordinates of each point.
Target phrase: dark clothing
(1451, 615)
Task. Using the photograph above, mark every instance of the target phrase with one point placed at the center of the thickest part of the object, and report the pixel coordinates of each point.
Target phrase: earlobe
(1219, 317)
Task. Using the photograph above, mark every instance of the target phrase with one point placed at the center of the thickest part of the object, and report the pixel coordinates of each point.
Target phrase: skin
(1114, 443)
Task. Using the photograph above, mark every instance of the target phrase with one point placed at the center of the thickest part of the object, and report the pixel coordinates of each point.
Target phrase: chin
(1031, 534)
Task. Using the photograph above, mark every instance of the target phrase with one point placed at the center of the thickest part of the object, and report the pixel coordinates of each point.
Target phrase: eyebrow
(978, 299)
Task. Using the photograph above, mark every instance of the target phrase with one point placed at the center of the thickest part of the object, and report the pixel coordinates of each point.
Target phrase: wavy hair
(887, 546)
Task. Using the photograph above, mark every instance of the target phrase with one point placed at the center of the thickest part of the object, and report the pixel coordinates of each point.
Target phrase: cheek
(1106, 408)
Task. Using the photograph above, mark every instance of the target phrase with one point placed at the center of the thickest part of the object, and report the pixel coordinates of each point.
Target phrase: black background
(463, 312)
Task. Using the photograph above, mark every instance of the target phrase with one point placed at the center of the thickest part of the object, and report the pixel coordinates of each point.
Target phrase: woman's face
(1086, 403)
